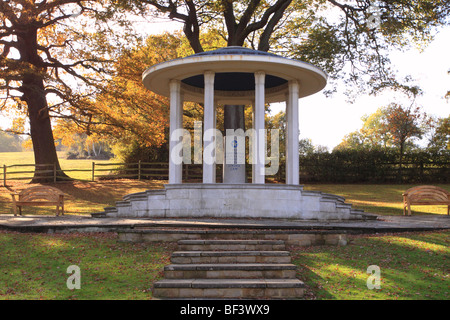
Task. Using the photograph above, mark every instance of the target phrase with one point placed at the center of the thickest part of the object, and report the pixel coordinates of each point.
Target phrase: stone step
(98, 214)
(181, 232)
(230, 270)
(229, 288)
(230, 245)
(186, 257)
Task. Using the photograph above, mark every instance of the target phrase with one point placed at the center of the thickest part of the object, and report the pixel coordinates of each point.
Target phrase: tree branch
(230, 21)
(263, 21)
(191, 28)
(267, 33)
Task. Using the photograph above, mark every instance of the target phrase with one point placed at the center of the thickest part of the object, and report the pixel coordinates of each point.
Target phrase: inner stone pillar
(234, 146)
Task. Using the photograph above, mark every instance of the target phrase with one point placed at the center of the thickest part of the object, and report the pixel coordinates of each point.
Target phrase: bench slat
(431, 197)
(39, 196)
(425, 195)
(37, 203)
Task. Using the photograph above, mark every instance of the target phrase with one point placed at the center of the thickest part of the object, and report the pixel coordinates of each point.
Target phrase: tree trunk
(43, 142)
(38, 113)
(400, 168)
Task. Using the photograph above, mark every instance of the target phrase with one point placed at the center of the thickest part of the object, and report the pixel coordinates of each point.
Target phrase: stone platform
(200, 200)
(76, 223)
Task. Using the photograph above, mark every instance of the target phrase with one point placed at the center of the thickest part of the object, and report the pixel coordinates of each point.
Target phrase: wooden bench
(425, 195)
(39, 196)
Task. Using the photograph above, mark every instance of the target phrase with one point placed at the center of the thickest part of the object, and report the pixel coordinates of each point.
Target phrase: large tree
(241, 19)
(348, 39)
(47, 66)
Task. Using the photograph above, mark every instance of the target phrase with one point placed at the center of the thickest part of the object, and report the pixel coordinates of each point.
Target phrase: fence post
(54, 172)
(93, 171)
(139, 170)
(4, 175)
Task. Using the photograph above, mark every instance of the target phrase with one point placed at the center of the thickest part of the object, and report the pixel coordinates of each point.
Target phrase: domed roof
(234, 69)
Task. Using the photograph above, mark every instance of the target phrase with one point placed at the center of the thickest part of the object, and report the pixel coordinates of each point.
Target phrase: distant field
(14, 158)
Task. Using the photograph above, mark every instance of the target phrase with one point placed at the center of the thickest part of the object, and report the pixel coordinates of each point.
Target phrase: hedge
(375, 166)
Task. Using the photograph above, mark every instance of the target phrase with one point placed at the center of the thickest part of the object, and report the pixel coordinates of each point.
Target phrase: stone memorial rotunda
(234, 76)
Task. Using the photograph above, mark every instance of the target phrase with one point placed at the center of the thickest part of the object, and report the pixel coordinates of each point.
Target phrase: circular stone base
(235, 201)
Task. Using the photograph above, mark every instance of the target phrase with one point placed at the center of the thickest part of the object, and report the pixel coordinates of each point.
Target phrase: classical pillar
(209, 172)
(176, 122)
(292, 160)
(259, 148)
(252, 156)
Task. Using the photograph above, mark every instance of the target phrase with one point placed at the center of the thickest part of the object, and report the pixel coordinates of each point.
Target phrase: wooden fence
(311, 171)
(103, 171)
(98, 171)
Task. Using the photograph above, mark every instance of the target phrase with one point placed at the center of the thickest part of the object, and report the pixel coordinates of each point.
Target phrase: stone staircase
(229, 269)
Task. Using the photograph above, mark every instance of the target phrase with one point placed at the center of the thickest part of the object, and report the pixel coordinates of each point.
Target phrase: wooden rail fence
(104, 171)
(139, 170)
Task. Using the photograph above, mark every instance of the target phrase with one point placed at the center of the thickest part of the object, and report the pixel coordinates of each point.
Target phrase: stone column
(234, 146)
(209, 172)
(292, 159)
(259, 148)
(252, 156)
(176, 122)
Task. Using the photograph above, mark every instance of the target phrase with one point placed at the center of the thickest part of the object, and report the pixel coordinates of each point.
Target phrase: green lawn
(383, 199)
(413, 266)
(34, 266)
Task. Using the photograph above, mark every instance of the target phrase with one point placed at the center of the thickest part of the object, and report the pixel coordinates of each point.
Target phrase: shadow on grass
(81, 197)
(313, 282)
(34, 266)
(390, 211)
(412, 267)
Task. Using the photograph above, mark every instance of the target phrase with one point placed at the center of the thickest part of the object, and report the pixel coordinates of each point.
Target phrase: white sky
(327, 120)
